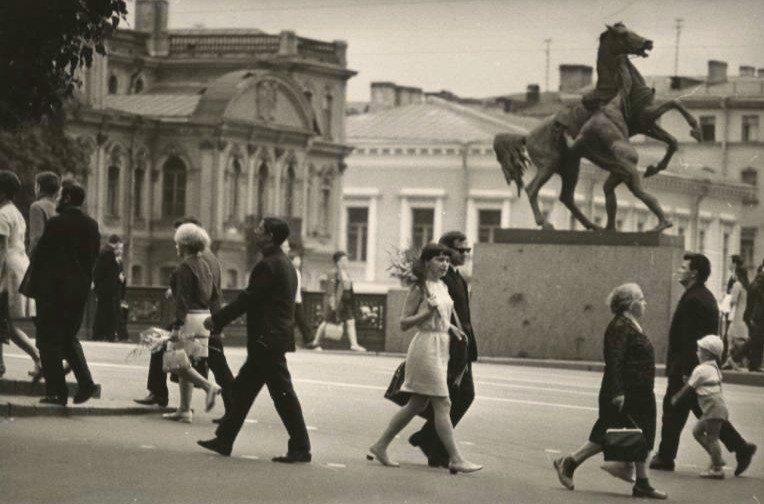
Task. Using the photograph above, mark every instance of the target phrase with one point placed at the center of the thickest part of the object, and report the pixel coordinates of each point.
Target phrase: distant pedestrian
(626, 394)
(737, 329)
(706, 381)
(429, 308)
(47, 185)
(60, 279)
(299, 314)
(108, 281)
(268, 302)
(13, 265)
(339, 303)
(695, 316)
(755, 318)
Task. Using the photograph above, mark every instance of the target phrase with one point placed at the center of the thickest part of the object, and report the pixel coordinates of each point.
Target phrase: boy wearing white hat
(706, 379)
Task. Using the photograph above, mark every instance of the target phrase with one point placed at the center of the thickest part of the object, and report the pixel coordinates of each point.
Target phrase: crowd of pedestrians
(66, 263)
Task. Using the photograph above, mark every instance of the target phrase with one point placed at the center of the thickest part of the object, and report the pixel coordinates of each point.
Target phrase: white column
(471, 224)
(371, 245)
(405, 220)
(505, 213)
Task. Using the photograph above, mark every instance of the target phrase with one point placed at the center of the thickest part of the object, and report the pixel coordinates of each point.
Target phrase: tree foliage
(42, 45)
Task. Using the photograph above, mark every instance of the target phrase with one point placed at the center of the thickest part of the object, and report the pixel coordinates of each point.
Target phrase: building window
(749, 176)
(488, 222)
(231, 279)
(139, 178)
(165, 273)
(262, 188)
(325, 213)
(136, 274)
(357, 233)
(708, 128)
(138, 86)
(422, 226)
(234, 186)
(288, 183)
(174, 188)
(328, 107)
(702, 241)
(750, 128)
(112, 192)
(747, 246)
(113, 84)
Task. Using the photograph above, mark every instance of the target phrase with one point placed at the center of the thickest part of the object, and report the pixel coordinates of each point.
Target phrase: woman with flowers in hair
(428, 307)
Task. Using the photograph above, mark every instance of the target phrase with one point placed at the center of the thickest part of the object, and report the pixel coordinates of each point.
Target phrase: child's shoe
(713, 473)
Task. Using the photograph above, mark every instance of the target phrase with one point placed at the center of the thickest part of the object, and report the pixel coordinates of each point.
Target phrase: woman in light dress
(13, 264)
(429, 308)
(737, 332)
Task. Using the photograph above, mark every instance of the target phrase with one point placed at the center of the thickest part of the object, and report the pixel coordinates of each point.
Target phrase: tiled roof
(154, 105)
(434, 120)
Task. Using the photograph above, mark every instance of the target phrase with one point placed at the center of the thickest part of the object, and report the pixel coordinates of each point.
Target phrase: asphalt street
(521, 419)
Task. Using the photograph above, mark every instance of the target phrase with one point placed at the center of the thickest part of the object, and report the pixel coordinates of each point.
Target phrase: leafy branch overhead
(43, 44)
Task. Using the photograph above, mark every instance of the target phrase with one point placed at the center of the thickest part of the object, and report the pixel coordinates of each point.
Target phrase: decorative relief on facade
(266, 100)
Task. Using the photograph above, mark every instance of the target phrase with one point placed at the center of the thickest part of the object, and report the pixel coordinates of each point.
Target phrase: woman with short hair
(194, 292)
(626, 394)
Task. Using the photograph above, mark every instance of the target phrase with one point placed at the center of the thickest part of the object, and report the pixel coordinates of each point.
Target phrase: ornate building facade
(224, 125)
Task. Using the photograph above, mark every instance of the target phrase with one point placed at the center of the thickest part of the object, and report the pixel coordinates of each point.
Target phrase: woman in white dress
(428, 307)
(13, 265)
(737, 332)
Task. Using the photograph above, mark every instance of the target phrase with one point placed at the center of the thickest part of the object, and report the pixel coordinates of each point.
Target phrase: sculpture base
(541, 294)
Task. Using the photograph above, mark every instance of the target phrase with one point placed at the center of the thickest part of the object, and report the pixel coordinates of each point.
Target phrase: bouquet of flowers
(152, 339)
(404, 266)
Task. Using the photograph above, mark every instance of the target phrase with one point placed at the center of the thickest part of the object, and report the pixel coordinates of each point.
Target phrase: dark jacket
(696, 315)
(629, 360)
(62, 263)
(457, 289)
(268, 302)
(106, 282)
(754, 309)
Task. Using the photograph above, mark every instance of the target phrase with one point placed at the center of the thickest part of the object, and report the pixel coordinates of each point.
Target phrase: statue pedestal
(541, 294)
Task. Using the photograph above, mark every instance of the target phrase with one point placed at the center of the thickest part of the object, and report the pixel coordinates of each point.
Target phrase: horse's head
(621, 40)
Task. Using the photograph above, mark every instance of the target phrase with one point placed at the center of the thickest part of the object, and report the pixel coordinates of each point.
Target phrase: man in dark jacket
(268, 302)
(60, 278)
(754, 317)
(108, 279)
(461, 387)
(696, 315)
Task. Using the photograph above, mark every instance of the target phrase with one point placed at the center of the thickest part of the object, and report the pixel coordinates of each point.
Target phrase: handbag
(393, 392)
(625, 444)
(174, 360)
(333, 331)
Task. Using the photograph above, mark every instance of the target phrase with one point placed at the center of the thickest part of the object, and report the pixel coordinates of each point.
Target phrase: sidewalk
(19, 398)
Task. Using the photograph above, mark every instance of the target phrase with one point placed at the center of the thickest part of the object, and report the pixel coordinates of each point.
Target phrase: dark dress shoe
(648, 492)
(84, 393)
(54, 400)
(659, 464)
(293, 458)
(152, 399)
(744, 456)
(216, 445)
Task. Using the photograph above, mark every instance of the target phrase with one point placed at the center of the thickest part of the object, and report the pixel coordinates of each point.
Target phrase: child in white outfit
(706, 379)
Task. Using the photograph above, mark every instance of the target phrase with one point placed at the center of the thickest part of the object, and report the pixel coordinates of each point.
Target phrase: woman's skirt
(427, 364)
(640, 407)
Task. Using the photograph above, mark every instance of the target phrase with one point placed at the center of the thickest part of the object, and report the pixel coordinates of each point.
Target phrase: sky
(481, 48)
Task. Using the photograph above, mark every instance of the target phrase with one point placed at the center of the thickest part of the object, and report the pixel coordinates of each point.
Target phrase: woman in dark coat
(626, 390)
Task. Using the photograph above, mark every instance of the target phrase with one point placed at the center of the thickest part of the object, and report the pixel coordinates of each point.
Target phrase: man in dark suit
(696, 315)
(60, 278)
(754, 317)
(461, 387)
(268, 302)
(108, 278)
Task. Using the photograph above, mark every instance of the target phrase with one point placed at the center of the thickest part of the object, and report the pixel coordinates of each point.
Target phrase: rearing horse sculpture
(623, 106)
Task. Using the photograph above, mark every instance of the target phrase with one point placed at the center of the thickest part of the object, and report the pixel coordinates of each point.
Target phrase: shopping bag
(333, 331)
(174, 360)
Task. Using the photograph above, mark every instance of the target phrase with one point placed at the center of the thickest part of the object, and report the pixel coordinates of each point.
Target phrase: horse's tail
(512, 156)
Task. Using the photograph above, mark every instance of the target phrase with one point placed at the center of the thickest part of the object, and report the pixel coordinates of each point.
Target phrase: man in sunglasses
(462, 354)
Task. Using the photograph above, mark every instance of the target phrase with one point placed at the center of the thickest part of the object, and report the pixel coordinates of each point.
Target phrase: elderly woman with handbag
(339, 307)
(187, 350)
(626, 397)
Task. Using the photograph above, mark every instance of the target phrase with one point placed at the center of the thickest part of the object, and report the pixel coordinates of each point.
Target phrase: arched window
(328, 107)
(234, 183)
(174, 188)
(113, 84)
(112, 191)
(139, 181)
(262, 189)
(325, 208)
(138, 86)
(287, 184)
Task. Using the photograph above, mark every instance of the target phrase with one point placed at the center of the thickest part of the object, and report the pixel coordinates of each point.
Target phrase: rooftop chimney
(747, 71)
(406, 95)
(574, 77)
(717, 72)
(383, 96)
(532, 94)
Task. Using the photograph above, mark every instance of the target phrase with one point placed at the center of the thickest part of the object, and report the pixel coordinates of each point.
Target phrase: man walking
(696, 315)
(461, 387)
(61, 274)
(268, 301)
(108, 279)
(754, 317)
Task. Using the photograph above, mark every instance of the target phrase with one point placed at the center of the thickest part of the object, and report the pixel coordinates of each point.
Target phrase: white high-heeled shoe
(465, 467)
(381, 456)
(212, 393)
(179, 416)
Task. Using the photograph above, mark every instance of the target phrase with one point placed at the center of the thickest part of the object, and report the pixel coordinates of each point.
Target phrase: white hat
(712, 344)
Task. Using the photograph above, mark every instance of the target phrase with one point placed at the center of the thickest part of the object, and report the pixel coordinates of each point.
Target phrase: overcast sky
(488, 47)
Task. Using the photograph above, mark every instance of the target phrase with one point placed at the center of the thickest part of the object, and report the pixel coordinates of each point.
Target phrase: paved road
(522, 418)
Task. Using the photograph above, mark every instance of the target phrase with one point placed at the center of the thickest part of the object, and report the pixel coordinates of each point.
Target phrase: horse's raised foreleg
(569, 174)
(651, 114)
(672, 145)
(543, 174)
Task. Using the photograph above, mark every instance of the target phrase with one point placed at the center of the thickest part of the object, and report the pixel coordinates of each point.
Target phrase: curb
(14, 410)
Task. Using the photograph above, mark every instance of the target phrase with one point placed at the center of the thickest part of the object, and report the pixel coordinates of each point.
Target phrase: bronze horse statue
(621, 105)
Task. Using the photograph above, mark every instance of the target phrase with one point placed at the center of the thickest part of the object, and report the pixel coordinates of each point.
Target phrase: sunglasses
(464, 250)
